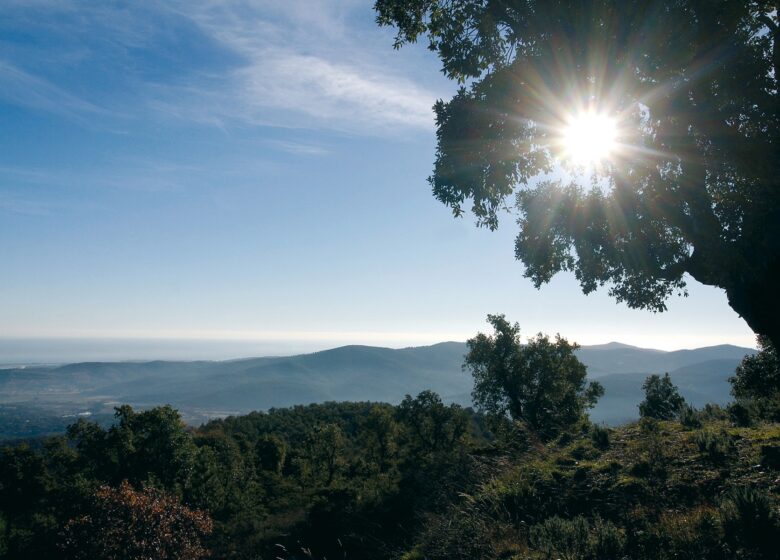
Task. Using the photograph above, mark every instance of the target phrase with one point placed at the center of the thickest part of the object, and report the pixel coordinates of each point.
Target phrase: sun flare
(589, 138)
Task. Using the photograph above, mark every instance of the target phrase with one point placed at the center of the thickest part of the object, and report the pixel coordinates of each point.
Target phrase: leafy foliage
(542, 383)
(125, 524)
(662, 399)
(417, 481)
(693, 188)
(750, 525)
(756, 385)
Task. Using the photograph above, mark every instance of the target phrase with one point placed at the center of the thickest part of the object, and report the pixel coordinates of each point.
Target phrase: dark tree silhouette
(756, 384)
(758, 376)
(693, 187)
(541, 383)
(662, 400)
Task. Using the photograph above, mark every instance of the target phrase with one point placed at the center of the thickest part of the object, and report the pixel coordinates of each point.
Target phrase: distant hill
(205, 389)
(620, 358)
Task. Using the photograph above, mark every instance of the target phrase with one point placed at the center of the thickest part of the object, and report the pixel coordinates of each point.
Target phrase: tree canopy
(756, 381)
(541, 383)
(692, 187)
(662, 399)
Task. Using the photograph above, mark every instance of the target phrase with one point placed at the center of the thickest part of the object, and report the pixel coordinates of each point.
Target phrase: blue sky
(256, 172)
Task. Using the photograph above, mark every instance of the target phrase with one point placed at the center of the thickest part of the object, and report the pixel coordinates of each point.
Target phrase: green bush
(599, 435)
(717, 447)
(690, 417)
(576, 539)
(606, 541)
(743, 413)
(662, 399)
(459, 536)
(566, 539)
(750, 525)
(713, 412)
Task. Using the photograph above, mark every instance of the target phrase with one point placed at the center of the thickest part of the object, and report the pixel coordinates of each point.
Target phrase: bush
(749, 523)
(600, 437)
(462, 536)
(770, 456)
(716, 447)
(713, 412)
(743, 413)
(575, 539)
(127, 523)
(690, 417)
(606, 541)
(561, 538)
(662, 399)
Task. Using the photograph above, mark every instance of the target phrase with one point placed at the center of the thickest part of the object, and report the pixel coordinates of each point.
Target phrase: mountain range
(206, 389)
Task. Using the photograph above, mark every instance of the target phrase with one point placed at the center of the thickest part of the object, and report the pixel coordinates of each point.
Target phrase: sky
(217, 179)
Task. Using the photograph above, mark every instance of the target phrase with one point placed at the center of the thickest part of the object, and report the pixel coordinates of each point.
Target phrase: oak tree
(541, 383)
(692, 187)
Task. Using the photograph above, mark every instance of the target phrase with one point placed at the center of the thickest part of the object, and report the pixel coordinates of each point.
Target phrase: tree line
(524, 472)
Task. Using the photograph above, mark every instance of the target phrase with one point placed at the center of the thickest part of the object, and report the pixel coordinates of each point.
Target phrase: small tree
(758, 376)
(662, 399)
(127, 524)
(271, 452)
(542, 383)
(324, 448)
(431, 427)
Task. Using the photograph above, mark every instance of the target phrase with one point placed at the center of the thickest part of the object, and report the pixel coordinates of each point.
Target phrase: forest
(524, 475)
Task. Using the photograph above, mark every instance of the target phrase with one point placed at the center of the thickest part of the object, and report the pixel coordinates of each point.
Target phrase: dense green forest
(518, 478)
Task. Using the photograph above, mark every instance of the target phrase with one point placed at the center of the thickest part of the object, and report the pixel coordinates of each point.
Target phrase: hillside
(207, 389)
(418, 481)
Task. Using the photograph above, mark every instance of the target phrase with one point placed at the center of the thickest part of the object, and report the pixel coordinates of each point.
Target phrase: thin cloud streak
(292, 64)
(282, 84)
(24, 89)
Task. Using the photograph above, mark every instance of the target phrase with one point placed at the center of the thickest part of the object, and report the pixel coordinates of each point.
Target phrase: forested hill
(204, 389)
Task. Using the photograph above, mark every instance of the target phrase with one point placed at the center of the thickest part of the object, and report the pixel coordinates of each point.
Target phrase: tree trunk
(757, 300)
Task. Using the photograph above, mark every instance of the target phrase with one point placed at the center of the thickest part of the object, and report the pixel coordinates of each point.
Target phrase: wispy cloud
(303, 68)
(299, 148)
(22, 88)
(227, 63)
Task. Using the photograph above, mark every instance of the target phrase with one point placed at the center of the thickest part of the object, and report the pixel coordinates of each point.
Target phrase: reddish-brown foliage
(128, 524)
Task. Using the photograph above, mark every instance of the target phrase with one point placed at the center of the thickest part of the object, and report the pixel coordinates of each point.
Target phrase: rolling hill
(204, 389)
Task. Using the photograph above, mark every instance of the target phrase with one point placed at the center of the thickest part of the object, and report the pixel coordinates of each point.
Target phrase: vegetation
(691, 188)
(756, 384)
(662, 399)
(530, 480)
(125, 523)
(541, 384)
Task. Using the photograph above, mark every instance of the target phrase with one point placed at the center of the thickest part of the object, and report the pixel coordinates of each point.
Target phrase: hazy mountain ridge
(349, 373)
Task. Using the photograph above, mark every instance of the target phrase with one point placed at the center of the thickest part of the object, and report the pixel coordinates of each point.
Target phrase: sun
(589, 138)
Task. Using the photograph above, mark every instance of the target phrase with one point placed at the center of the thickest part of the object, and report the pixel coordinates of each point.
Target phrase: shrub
(126, 523)
(743, 413)
(599, 435)
(690, 417)
(713, 412)
(716, 447)
(576, 539)
(566, 539)
(662, 399)
(606, 541)
(462, 536)
(692, 535)
(749, 523)
(770, 456)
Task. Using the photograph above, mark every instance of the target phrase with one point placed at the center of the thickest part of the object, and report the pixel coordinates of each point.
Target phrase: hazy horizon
(51, 350)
